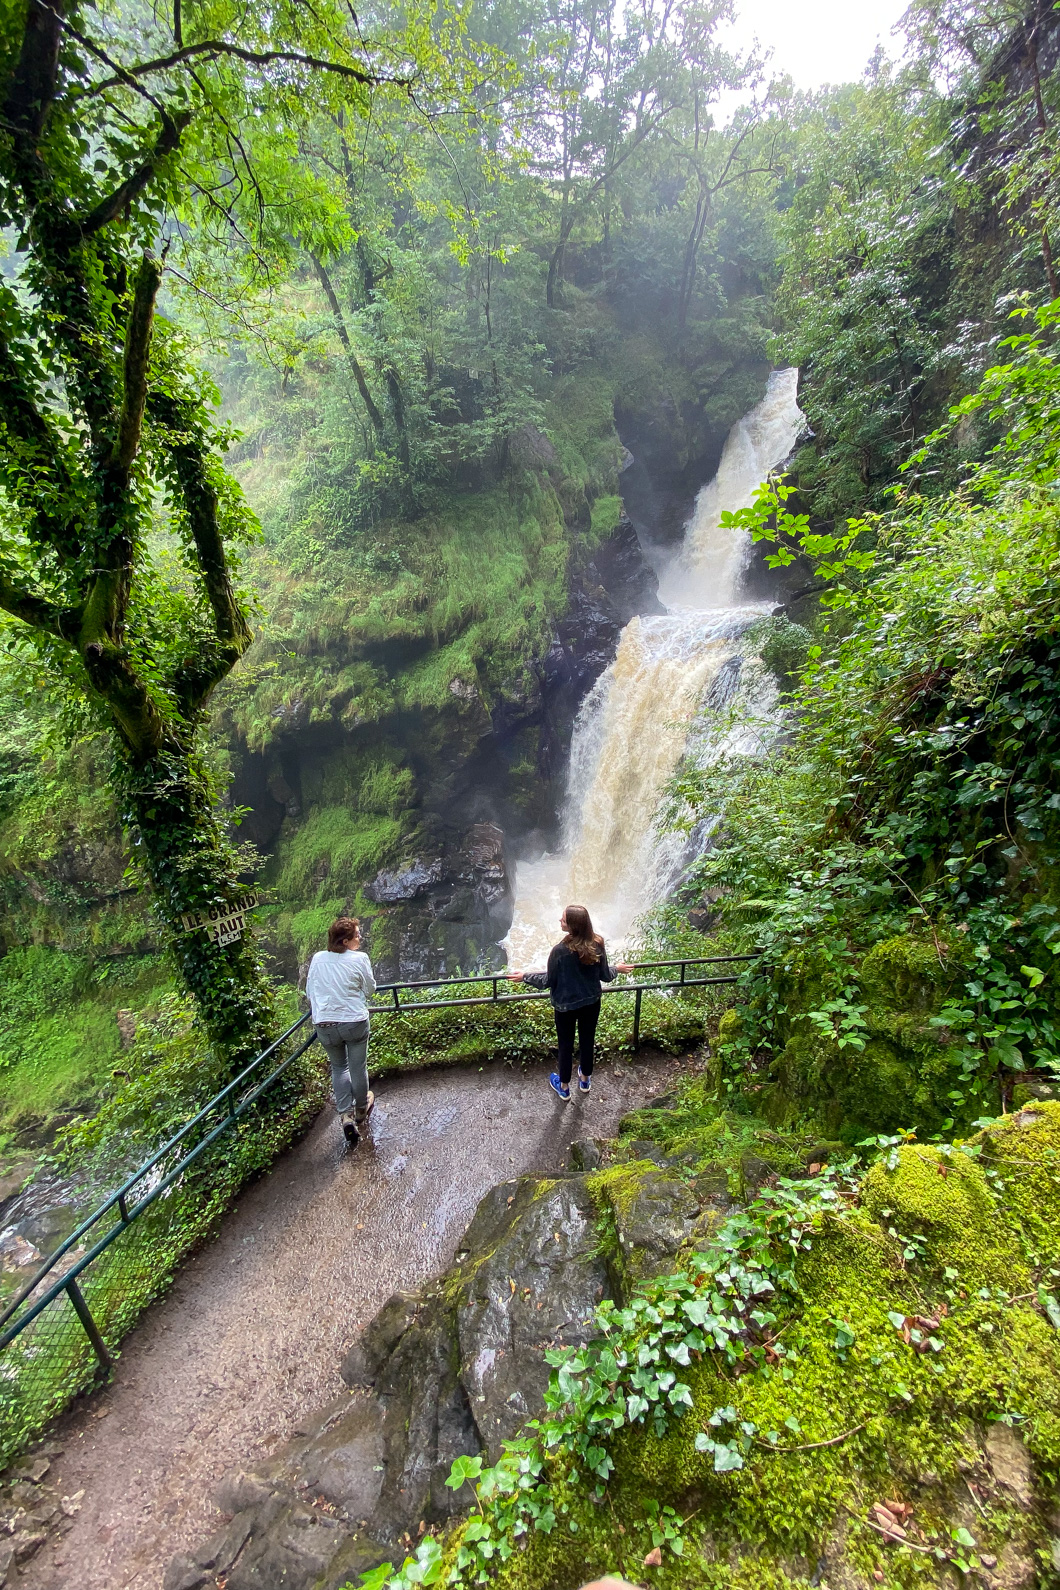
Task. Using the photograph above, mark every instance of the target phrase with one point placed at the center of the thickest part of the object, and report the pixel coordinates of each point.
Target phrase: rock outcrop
(454, 1369)
(457, 1367)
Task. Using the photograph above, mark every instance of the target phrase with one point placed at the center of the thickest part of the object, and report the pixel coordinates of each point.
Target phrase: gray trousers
(346, 1043)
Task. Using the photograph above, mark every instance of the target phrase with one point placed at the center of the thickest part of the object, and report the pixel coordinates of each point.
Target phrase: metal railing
(145, 1187)
(497, 998)
(67, 1281)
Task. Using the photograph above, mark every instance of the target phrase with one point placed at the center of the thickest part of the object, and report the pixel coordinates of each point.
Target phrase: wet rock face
(444, 1372)
(453, 1369)
(537, 1289)
(387, 888)
(453, 905)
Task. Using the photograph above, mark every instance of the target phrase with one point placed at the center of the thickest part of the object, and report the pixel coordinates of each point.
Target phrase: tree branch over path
(217, 49)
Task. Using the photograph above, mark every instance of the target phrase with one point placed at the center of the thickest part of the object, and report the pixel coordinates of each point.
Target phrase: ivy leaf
(726, 1458)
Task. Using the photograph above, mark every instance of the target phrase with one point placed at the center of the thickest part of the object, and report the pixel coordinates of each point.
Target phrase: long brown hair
(341, 931)
(580, 938)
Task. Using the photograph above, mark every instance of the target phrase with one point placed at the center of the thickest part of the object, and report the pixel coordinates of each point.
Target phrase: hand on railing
(513, 977)
(625, 966)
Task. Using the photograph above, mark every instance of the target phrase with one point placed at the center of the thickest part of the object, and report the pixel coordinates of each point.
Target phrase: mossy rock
(905, 974)
(946, 1201)
(965, 1434)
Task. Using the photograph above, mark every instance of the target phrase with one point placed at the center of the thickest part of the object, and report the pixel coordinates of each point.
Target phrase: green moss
(1021, 1152)
(59, 1037)
(463, 596)
(945, 1199)
(905, 974)
(335, 845)
(606, 512)
(901, 1070)
(848, 1412)
(617, 1185)
(697, 1127)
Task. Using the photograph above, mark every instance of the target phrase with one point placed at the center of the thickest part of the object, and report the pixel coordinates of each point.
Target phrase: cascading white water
(673, 676)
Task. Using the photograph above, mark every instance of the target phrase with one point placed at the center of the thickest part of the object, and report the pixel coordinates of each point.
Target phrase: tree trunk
(1043, 128)
(344, 337)
(555, 264)
(176, 838)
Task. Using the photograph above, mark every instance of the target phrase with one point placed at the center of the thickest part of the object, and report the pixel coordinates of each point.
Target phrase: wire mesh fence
(61, 1330)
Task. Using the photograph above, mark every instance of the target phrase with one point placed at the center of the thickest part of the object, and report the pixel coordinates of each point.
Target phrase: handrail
(495, 998)
(487, 977)
(67, 1281)
(119, 1196)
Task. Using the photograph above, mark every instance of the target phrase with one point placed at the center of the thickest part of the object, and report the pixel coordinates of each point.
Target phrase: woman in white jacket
(338, 986)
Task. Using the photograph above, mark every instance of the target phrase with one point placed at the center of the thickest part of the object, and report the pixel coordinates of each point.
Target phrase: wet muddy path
(249, 1338)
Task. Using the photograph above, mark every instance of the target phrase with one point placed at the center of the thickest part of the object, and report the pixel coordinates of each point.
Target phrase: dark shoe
(362, 1115)
(584, 1083)
(557, 1087)
(349, 1130)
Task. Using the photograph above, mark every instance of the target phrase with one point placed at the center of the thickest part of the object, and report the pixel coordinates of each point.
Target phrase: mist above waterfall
(678, 679)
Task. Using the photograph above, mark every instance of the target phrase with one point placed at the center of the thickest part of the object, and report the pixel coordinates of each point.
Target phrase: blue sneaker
(557, 1087)
(584, 1083)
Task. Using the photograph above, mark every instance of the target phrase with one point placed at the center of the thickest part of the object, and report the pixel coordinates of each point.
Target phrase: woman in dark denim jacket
(577, 966)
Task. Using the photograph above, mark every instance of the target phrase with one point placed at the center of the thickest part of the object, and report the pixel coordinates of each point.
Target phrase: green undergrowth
(690, 1126)
(169, 1073)
(847, 1339)
(60, 1043)
(358, 631)
(526, 1031)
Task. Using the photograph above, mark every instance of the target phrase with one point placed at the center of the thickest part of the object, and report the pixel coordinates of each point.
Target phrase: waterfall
(677, 679)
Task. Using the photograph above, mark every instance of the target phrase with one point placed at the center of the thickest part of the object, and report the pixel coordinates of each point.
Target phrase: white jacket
(338, 985)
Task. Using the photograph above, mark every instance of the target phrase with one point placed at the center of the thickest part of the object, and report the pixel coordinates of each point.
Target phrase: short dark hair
(341, 931)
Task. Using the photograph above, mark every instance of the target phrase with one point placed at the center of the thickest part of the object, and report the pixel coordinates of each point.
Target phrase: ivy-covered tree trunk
(169, 817)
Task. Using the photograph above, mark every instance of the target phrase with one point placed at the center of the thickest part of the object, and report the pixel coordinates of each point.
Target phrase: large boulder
(450, 1370)
(453, 1369)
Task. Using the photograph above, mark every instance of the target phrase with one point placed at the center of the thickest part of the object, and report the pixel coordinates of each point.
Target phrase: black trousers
(585, 1019)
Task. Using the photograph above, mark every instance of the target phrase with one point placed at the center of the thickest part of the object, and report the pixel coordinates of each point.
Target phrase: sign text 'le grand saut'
(224, 923)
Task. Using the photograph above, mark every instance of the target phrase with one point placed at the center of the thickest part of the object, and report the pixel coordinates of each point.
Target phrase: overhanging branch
(112, 206)
(35, 610)
(217, 49)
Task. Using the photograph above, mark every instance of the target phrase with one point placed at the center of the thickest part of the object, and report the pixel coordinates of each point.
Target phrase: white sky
(819, 41)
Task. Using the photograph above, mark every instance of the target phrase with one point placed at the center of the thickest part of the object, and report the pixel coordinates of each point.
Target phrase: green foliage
(59, 1039)
(524, 1031)
(813, 1294)
(168, 1075)
(915, 805)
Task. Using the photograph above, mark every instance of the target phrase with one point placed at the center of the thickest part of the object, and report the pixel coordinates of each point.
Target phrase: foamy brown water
(675, 675)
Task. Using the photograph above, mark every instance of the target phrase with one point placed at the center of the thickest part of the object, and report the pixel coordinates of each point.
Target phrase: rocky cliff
(877, 1398)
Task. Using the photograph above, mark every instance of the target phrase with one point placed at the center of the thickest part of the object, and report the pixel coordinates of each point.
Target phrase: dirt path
(250, 1337)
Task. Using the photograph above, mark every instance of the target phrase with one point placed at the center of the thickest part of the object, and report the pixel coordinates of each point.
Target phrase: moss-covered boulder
(878, 1059)
(852, 1380)
(901, 1425)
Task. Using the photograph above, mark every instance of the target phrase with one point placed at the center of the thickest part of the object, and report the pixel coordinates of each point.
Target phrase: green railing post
(84, 1314)
(636, 1020)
